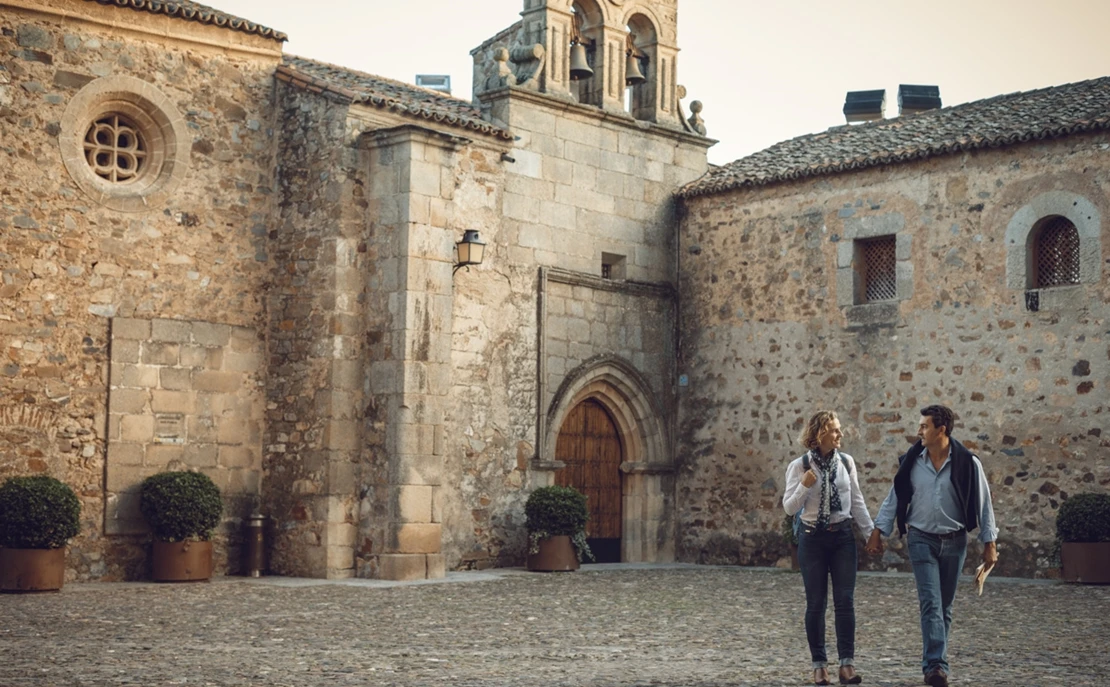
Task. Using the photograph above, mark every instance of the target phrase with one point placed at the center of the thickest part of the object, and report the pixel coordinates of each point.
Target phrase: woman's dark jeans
(821, 554)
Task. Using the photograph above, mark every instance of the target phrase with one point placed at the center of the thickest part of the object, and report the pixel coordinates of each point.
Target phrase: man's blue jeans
(821, 554)
(937, 564)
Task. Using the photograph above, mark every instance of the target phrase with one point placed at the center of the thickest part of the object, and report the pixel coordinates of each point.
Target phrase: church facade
(223, 258)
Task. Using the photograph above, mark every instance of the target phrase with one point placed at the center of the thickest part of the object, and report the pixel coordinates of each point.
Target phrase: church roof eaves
(194, 11)
(995, 122)
(408, 99)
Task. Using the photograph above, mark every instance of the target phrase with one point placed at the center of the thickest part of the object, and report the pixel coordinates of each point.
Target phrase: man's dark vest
(962, 474)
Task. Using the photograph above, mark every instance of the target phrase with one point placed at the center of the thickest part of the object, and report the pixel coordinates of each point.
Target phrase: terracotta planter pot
(182, 561)
(556, 555)
(1088, 563)
(32, 570)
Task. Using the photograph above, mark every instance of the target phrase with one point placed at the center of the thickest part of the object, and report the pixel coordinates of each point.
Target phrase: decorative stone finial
(696, 122)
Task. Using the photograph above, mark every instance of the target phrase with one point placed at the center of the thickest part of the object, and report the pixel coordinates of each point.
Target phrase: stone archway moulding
(1080, 211)
(622, 391)
(647, 518)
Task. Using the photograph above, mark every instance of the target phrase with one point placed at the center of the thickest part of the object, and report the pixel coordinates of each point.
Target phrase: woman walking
(823, 486)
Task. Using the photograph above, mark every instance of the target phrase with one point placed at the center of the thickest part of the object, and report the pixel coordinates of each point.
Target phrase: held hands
(875, 543)
(809, 478)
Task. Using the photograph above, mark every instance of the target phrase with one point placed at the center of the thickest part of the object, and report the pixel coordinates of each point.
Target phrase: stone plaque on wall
(169, 428)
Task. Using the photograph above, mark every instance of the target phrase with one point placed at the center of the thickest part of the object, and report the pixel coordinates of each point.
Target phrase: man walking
(940, 494)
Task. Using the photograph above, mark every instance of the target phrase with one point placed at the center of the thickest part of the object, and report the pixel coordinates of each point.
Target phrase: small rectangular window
(612, 266)
(877, 269)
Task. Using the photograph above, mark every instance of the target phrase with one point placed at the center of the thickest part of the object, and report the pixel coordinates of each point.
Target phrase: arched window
(1055, 256)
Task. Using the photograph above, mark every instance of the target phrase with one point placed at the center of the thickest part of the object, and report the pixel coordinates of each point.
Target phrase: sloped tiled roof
(194, 11)
(403, 98)
(992, 123)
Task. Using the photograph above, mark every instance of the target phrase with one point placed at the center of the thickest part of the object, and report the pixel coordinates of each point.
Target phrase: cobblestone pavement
(604, 625)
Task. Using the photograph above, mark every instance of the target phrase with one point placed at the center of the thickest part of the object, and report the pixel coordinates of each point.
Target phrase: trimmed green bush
(557, 511)
(1084, 518)
(181, 506)
(37, 512)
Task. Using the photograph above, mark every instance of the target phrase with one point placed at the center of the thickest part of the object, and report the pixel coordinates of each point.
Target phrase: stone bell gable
(538, 53)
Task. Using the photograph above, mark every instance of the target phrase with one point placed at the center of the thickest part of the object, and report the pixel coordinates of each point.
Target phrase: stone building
(224, 258)
(950, 256)
(220, 257)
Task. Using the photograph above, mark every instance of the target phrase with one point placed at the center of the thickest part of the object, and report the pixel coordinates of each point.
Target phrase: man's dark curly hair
(942, 416)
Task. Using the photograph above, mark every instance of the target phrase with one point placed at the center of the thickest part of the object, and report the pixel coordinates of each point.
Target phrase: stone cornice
(314, 85)
(622, 119)
(632, 288)
(412, 132)
(150, 26)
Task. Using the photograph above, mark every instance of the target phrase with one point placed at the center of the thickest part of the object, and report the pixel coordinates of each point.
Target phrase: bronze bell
(632, 74)
(579, 64)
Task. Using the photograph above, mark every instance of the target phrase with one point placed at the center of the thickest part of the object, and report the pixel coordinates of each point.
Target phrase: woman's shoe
(848, 676)
(820, 676)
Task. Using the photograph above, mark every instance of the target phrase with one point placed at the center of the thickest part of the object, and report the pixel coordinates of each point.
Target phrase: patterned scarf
(830, 495)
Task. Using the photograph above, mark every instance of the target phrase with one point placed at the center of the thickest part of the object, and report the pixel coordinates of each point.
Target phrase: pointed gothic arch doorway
(589, 444)
(645, 471)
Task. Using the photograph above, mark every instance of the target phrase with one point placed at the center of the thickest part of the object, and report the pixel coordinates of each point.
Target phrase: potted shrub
(556, 518)
(791, 539)
(1083, 533)
(38, 515)
(182, 509)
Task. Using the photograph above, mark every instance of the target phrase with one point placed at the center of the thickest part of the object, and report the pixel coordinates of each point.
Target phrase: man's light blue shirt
(934, 507)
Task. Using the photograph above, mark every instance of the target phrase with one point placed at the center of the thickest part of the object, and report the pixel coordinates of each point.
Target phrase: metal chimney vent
(864, 106)
(436, 82)
(913, 99)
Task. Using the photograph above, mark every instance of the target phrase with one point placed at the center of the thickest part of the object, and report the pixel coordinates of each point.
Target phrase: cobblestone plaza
(604, 625)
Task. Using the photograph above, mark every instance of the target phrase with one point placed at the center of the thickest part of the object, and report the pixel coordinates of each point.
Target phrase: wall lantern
(471, 250)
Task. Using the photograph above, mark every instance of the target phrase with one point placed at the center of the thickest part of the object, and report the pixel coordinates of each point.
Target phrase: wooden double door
(590, 445)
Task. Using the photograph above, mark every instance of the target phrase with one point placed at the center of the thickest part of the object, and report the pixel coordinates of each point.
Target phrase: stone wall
(405, 406)
(184, 396)
(582, 188)
(585, 183)
(73, 257)
(316, 379)
(771, 333)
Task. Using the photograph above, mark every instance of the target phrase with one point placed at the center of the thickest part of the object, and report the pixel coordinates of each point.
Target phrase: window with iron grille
(1056, 253)
(877, 258)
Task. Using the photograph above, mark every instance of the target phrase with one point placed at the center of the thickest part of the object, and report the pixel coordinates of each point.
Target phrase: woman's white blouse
(798, 497)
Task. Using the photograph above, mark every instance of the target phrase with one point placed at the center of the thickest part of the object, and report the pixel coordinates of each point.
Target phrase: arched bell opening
(586, 40)
(641, 72)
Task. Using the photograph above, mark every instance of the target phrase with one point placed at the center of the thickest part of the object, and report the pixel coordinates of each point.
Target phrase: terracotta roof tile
(194, 11)
(404, 98)
(995, 122)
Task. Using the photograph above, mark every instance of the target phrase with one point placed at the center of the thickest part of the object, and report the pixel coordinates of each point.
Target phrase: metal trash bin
(254, 545)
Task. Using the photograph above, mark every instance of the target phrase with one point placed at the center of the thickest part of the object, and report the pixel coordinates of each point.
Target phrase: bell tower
(623, 53)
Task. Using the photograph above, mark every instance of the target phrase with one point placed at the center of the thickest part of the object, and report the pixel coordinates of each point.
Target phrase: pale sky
(765, 71)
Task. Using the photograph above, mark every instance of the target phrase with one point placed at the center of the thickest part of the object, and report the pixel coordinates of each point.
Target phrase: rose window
(115, 149)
